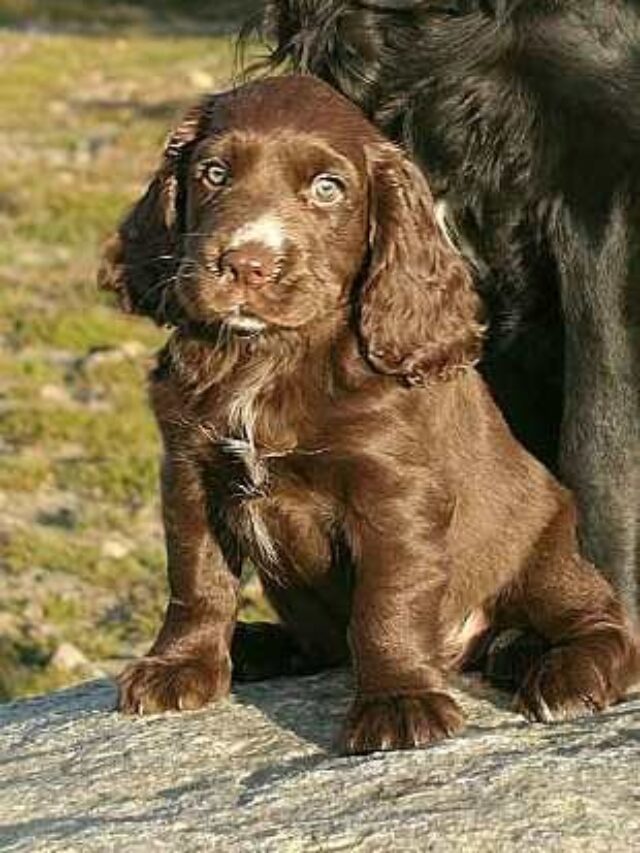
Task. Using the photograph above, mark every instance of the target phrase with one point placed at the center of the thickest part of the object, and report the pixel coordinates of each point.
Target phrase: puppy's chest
(248, 487)
(263, 497)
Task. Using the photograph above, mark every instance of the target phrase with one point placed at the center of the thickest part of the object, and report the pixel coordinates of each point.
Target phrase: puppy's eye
(215, 174)
(327, 189)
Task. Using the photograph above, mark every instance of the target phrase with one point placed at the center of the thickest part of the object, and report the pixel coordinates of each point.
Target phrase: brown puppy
(322, 417)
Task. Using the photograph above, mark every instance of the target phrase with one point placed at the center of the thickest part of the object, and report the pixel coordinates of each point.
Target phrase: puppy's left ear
(417, 311)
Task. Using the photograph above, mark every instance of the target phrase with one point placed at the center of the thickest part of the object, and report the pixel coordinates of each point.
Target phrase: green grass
(24, 670)
(86, 100)
(97, 15)
(24, 473)
(76, 330)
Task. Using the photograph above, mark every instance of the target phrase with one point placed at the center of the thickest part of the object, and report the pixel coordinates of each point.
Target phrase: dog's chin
(245, 324)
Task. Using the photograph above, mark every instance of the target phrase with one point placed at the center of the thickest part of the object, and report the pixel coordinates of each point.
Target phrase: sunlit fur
(349, 448)
(526, 116)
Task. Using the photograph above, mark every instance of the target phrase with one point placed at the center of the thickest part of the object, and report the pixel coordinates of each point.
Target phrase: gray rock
(259, 772)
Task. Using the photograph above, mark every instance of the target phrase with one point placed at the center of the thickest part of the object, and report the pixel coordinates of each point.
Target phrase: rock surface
(259, 772)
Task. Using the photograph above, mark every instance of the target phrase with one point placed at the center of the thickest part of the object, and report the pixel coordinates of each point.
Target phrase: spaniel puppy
(321, 415)
(526, 116)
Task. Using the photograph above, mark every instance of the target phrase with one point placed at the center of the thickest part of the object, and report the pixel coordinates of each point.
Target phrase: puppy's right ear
(140, 261)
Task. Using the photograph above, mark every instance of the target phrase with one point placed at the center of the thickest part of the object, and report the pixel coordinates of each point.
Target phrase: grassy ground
(86, 96)
(101, 15)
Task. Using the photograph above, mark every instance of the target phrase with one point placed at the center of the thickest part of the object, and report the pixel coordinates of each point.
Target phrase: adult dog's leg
(600, 437)
(189, 663)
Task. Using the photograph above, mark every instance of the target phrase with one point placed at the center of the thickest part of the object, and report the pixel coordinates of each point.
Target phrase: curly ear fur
(417, 309)
(343, 41)
(336, 41)
(140, 261)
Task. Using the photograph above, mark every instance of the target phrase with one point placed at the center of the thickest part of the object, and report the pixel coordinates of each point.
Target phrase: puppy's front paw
(563, 685)
(400, 722)
(171, 683)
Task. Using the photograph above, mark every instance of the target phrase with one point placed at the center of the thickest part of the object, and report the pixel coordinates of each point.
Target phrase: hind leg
(505, 656)
(310, 638)
(262, 650)
(593, 654)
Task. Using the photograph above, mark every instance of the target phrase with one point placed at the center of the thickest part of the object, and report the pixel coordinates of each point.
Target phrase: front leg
(600, 439)
(189, 664)
(395, 631)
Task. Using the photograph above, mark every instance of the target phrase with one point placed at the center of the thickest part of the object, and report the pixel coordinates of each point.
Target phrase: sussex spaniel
(321, 415)
(526, 117)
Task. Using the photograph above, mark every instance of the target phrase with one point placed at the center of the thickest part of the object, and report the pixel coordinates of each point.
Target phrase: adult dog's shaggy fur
(321, 415)
(526, 115)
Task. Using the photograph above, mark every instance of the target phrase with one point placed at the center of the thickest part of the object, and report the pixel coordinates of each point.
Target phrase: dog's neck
(263, 393)
(200, 358)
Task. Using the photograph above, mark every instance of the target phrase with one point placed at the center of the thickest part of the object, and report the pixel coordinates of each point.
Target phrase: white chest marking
(242, 419)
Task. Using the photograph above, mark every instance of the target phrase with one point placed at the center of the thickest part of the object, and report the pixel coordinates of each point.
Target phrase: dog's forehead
(301, 104)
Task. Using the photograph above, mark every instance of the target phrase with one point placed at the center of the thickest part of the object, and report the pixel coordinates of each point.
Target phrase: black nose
(251, 264)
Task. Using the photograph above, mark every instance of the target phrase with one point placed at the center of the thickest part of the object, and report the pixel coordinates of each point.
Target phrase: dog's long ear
(417, 311)
(140, 261)
(338, 41)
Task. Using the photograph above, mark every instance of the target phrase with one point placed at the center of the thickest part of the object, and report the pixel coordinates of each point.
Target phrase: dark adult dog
(526, 115)
(321, 415)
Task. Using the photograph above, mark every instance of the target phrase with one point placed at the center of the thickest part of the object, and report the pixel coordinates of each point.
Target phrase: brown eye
(215, 174)
(327, 189)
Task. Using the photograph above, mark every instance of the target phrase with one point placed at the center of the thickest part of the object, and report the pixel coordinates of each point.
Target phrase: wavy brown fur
(525, 115)
(391, 525)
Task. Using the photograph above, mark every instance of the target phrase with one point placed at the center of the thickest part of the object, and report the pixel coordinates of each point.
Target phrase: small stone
(115, 549)
(201, 80)
(113, 355)
(55, 394)
(59, 108)
(68, 657)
